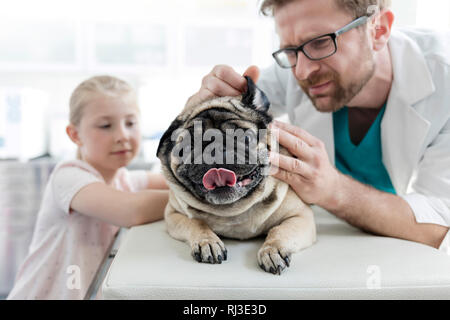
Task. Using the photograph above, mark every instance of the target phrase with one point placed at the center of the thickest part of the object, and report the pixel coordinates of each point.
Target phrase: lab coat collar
(403, 129)
(412, 78)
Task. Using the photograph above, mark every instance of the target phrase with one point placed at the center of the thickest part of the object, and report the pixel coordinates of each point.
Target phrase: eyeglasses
(315, 49)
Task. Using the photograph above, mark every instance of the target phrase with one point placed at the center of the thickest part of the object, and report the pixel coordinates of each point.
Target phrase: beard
(343, 91)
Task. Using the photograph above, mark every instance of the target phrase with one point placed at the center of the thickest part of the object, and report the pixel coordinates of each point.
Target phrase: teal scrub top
(363, 161)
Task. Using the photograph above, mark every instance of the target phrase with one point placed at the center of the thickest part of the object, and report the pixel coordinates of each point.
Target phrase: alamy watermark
(374, 279)
(73, 281)
(214, 146)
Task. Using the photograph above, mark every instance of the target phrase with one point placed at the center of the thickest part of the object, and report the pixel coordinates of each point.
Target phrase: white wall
(422, 13)
(163, 48)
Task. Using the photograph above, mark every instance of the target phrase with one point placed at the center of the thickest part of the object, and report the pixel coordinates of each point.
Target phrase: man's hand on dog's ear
(252, 72)
(308, 171)
(223, 81)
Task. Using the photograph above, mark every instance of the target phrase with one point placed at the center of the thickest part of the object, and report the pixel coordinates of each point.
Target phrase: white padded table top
(344, 263)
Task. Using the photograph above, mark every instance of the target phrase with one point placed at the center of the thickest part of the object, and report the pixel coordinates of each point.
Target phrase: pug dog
(224, 189)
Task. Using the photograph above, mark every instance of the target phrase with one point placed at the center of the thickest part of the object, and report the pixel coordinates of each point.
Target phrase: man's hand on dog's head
(223, 81)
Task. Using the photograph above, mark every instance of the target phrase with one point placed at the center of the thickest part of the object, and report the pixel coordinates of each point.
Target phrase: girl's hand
(123, 209)
(157, 181)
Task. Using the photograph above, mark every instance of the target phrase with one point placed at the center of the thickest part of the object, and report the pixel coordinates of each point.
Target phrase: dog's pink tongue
(219, 178)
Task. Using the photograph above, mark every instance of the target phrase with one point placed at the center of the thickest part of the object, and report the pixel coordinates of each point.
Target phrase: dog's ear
(166, 138)
(255, 97)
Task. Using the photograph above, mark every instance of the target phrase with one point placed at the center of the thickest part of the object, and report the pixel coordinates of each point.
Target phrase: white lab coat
(415, 130)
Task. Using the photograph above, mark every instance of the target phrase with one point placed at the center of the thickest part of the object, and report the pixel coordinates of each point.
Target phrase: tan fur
(273, 209)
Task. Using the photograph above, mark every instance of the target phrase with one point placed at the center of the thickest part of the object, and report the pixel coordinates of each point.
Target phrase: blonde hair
(94, 87)
(357, 8)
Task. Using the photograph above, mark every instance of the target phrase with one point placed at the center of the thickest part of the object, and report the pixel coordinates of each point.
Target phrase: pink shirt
(68, 247)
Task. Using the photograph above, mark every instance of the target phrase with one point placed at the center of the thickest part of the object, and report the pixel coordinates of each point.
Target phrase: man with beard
(371, 108)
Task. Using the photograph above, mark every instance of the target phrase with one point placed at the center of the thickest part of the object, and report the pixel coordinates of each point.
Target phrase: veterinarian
(370, 113)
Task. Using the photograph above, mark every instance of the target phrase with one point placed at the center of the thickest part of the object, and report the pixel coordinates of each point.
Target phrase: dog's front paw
(209, 250)
(273, 258)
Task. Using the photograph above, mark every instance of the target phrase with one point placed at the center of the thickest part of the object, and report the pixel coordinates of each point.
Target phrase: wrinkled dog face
(219, 150)
(222, 180)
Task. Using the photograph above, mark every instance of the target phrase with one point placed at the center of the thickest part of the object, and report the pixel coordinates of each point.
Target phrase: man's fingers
(224, 81)
(252, 72)
(297, 146)
(218, 87)
(289, 164)
(283, 175)
(228, 76)
(296, 131)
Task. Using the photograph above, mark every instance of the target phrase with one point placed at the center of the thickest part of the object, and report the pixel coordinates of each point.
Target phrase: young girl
(87, 199)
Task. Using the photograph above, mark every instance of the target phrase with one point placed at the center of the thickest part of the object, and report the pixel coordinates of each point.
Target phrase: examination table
(344, 263)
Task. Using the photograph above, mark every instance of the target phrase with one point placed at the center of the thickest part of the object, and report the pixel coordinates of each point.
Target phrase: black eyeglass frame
(354, 24)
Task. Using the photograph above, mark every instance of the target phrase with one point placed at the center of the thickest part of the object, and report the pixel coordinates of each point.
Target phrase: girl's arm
(156, 181)
(123, 209)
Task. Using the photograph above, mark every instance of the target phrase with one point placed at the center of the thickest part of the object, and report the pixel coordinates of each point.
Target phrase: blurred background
(163, 48)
